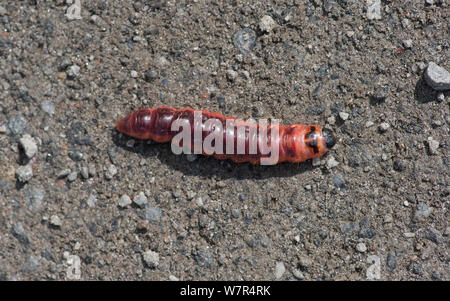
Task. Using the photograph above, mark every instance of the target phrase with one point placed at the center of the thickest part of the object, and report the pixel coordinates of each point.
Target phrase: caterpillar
(226, 137)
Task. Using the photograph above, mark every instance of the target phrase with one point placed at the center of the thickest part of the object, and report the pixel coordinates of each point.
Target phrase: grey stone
(231, 75)
(244, 40)
(140, 199)
(84, 171)
(33, 198)
(24, 173)
(384, 127)
(267, 23)
(365, 229)
(73, 71)
(391, 261)
(279, 269)
(48, 107)
(19, 232)
(152, 214)
(124, 201)
(111, 172)
(433, 145)
(339, 181)
(344, 116)
(17, 125)
(92, 199)
(151, 259)
(204, 258)
(55, 221)
(361, 247)
(28, 145)
(72, 176)
(31, 264)
(434, 236)
(373, 9)
(2, 11)
(63, 173)
(422, 212)
(437, 77)
(298, 274)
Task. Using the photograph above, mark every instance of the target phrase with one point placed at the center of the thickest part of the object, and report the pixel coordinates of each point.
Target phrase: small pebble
(152, 214)
(409, 234)
(231, 75)
(369, 124)
(433, 145)
(151, 259)
(150, 76)
(28, 145)
(48, 107)
(343, 115)
(361, 247)
(92, 171)
(331, 120)
(384, 127)
(316, 162)
(437, 77)
(73, 71)
(298, 274)
(24, 173)
(124, 201)
(267, 23)
(407, 43)
(111, 172)
(423, 212)
(373, 272)
(373, 9)
(173, 278)
(244, 40)
(72, 176)
(339, 181)
(441, 97)
(279, 270)
(84, 171)
(130, 143)
(140, 199)
(17, 125)
(331, 162)
(133, 74)
(55, 221)
(63, 173)
(92, 199)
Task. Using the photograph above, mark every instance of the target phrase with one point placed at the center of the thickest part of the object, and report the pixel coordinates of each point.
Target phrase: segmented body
(295, 143)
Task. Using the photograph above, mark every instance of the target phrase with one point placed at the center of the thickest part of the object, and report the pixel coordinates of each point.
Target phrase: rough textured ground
(381, 213)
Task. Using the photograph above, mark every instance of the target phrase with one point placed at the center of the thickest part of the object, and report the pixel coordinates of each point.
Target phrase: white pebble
(124, 201)
(384, 127)
(151, 259)
(361, 247)
(433, 145)
(55, 221)
(267, 23)
(369, 124)
(28, 145)
(331, 162)
(279, 270)
(344, 116)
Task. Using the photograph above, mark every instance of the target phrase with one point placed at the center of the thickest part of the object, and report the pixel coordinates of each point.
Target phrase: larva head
(319, 140)
(136, 125)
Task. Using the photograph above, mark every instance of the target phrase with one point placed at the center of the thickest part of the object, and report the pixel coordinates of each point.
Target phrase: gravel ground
(80, 201)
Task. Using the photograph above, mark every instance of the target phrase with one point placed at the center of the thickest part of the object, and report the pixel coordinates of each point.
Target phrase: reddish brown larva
(295, 143)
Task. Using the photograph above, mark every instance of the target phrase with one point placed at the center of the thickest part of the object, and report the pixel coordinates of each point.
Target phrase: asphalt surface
(78, 200)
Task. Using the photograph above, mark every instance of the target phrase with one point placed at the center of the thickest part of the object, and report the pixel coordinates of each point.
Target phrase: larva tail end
(123, 126)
